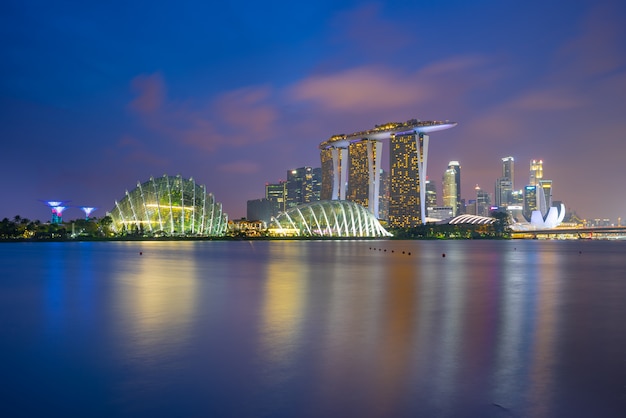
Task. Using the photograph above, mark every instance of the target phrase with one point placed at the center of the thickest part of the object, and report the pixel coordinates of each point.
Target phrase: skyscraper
(406, 196)
(431, 194)
(536, 172)
(508, 170)
(363, 156)
(450, 190)
(483, 202)
(303, 186)
(457, 179)
(404, 188)
(276, 193)
(383, 205)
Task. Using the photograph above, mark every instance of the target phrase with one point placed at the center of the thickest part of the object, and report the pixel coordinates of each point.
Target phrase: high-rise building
(457, 179)
(383, 204)
(536, 172)
(404, 188)
(431, 194)
(363, 156)
(407, 200)
(303, 186)
(505, 184)
(546, 186)
(334, 159)
(450, 190)
(276, 194)
(504, 192)
(259, 210)
(508, 169)
(530, 200)
(483, 202)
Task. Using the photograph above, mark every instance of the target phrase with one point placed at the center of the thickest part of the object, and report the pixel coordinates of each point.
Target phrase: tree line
(24, 228)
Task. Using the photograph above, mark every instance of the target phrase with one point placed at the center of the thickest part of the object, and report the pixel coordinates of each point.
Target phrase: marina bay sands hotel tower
(351, 167)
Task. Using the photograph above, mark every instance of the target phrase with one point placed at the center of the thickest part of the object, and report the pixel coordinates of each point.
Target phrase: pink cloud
(366, 28)
(363, 88)
(547, 100)
(239, 167)
(249, 114)
(150, 91)
(599, 48)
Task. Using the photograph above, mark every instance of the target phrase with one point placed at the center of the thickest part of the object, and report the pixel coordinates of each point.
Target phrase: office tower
(383, 205)
(508, 170)
(457, 178)
(303, 186)
(364, 159)
(504, 192)
(450, 190)
(483, 202)
(276, 193)
(431, 194)
(259, 210)
(546, 186)
(536, 172)
(530, 201)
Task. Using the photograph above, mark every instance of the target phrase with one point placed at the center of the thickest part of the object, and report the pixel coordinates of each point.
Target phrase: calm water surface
(313, 329)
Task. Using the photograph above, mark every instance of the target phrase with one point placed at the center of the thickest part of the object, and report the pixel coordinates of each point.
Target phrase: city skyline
(92, 100)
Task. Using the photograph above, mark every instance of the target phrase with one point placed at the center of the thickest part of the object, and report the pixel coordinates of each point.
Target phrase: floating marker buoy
(443, 255)
(409, 254)
(402, 252)
(140, 253)
(391, 250)
(385, 250)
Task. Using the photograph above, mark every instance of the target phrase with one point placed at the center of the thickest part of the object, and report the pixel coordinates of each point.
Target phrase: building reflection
(156, 301)
(283, 303)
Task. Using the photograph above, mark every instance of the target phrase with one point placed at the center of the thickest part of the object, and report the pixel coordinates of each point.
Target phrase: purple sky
(94, 98)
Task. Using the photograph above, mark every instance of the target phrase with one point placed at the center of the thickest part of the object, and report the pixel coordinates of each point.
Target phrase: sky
(97, 96)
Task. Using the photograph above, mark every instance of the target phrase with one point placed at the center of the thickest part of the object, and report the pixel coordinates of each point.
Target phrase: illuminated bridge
(362, 151)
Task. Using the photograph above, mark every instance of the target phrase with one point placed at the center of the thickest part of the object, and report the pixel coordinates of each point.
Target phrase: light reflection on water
(318, 328)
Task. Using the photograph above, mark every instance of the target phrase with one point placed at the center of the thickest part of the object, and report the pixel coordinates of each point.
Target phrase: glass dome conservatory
(169, 206)
(328, 218)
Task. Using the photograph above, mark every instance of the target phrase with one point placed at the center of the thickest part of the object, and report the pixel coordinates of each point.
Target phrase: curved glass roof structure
(169, 205)
(329, 218)
(471, 219)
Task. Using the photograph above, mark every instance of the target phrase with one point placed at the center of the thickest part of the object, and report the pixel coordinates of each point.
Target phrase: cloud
(247, 114)
(239, 167)
(150, 89)
(366, 29)
(598, 49)
(234, 118)
(362, 88)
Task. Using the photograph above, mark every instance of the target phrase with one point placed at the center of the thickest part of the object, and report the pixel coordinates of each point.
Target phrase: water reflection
(283, 303)
(155, 300)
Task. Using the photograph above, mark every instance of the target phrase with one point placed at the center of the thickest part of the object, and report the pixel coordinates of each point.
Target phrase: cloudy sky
(95, 97)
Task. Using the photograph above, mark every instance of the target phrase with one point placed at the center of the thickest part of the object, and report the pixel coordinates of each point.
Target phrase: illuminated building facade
(483, 202)
(276, 193)
(328, 218)
(505, 184)
(364, 160)
(170, 206)
(536, 172)
(431, 195)
(404, 210)
(303, 186)
(530, 200)
(383, 197)
(457, 179)
(405, 187)
(450, 190)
